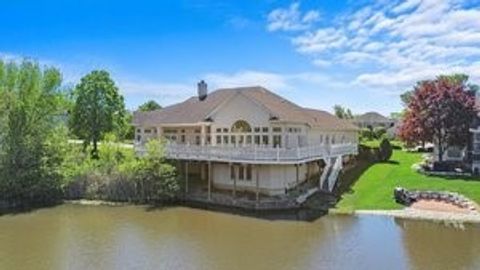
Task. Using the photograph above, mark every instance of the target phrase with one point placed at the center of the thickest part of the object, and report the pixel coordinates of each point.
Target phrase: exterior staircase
(329, 176)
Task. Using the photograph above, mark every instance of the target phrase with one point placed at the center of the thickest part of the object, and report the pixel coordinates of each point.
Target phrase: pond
(132, 237)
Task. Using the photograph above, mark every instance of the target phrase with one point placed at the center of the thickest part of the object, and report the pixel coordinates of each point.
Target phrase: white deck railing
(252, 153)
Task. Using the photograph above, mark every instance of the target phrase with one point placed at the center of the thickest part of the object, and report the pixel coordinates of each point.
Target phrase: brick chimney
(202, 90)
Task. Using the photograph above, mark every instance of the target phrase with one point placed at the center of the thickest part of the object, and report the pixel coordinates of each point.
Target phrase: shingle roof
(371, 117)
(193, 110)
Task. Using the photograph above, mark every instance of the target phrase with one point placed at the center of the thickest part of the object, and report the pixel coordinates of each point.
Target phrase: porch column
(236, 169)
(257, 183)
(202, 136)
(308, 171)
(297, 173)
(209, 180)
(186, 176)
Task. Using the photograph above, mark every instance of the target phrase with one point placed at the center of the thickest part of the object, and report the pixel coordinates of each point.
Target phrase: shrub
(385, 152)
(366, 134)
(379, 133)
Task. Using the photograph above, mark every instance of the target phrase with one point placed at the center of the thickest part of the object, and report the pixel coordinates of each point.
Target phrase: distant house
(248, 139)
(373, 120)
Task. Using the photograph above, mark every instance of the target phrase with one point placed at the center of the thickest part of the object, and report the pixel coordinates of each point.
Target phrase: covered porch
(199, 186)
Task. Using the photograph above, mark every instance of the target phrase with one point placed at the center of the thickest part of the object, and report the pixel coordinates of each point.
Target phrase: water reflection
(80, 237)
(440, 246)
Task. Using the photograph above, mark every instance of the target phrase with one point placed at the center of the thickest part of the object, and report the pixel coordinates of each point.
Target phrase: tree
(99, 108)
(439, 111)
(342, 112)
(148, 106)
(31, 137)
(156, 174)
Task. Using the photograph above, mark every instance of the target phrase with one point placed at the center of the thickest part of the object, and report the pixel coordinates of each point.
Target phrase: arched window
(241, 126)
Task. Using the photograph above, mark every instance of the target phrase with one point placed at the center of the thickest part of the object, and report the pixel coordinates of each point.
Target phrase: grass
(373, 189)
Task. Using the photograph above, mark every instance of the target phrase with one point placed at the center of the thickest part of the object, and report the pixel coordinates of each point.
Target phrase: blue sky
(361, 54)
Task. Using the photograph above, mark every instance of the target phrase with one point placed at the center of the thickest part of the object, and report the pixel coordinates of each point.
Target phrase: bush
(119, 175)
(379, 133)
(386, 150)
(366, 134)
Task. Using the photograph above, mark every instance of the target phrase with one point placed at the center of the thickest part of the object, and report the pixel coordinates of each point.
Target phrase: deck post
(186, 177)
(297, 173)
(235, 170)
(209, 180)
(257, 183)
(308, 171)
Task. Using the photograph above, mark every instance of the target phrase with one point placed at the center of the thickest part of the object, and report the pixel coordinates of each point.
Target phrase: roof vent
(202, 90)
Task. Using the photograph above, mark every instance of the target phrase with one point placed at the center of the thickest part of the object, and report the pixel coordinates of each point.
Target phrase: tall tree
(99, 108)
(342, 112)
(30, 156)
(148, 106)
(439, 111)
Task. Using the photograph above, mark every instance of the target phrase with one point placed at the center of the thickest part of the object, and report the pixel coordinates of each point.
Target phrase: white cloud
(397, 43)
(291, 19)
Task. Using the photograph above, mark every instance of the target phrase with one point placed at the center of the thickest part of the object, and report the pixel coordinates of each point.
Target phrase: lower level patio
(295, 198)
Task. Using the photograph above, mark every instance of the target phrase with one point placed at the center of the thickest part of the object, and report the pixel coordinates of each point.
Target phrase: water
(101, 237)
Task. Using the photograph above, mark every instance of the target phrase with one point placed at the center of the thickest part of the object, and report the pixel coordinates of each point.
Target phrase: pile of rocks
(407, 197)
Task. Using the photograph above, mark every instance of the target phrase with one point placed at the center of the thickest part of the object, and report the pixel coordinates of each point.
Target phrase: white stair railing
(333, 177)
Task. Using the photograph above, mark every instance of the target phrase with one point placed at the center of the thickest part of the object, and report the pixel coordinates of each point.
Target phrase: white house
(248, 139)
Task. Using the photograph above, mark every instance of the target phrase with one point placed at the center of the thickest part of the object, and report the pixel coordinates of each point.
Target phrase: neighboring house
(373, 120)
(248, 139)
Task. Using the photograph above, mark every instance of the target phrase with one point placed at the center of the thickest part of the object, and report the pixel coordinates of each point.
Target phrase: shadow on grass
(349, 178)
(392, 162)
(452, 177)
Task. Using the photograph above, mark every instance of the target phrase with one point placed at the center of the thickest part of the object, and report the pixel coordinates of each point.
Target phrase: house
(373, 120)
(248, 139)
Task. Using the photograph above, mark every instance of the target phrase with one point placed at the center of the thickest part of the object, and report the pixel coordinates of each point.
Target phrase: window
(257, 139)
(232, 172)
(225, 139)
(170, 131)
(197, 140)
(241, 126)
(321, 138)
(139, 130)
(219, 130)
(249, 172)
(249, 139)
(218, 139)
(265, 129)
(198, 130)
(241, 173)
(277, 129)
(257, 129)
(277, 141)
(265, 139)
(233, 139)
(225, 130)
(139, 138)
(240, 139)
(147, 131)
(183, 138)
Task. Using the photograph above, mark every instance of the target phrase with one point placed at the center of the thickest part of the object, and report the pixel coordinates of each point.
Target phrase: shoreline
(406, 213)
(423, 215)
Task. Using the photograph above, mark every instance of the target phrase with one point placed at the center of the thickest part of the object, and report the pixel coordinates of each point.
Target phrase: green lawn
(374, 187)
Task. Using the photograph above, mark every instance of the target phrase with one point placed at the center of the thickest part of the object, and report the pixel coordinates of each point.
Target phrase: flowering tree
(439, 111)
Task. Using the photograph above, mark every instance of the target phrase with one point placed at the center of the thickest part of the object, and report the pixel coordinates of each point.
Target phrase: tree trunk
(95, 149)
